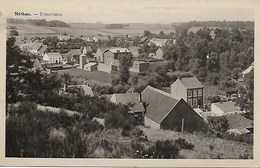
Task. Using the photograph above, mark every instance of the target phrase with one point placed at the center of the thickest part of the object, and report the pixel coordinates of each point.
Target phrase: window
(195, 93)
(195, 102)
(189, 93)
(200, 92)
(189, 102)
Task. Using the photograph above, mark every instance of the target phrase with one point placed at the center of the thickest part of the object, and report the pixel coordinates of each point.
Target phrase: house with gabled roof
(189, 89)
(86, 89)
(132, 100)
(225, 108)
(75, 53)
(158, 42)
(159, 53)
(112, 55)
(135, 50)
(238, 124)
(165, 112)
(100, 54)
(53, 58)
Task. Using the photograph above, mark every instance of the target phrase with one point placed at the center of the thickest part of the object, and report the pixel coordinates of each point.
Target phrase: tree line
(39, 22)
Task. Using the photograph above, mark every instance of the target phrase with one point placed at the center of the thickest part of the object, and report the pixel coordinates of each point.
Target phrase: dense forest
(220, 24)
(39, 22)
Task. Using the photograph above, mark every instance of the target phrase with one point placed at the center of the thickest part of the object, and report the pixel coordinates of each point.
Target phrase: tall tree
(125, 64)
(17, 68)
(246, 99)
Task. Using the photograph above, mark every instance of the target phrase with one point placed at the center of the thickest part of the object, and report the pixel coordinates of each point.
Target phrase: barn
(165, 112)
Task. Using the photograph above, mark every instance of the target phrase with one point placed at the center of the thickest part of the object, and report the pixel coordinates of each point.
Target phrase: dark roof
(43, 48)
(130, 99)
(75, 52)
(237, 121)
(160, 103)
(227, 106)
(103, 49)
(191, 82)
(134, 48)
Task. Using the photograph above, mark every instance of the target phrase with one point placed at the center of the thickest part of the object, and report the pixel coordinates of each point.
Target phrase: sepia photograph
(141, 80)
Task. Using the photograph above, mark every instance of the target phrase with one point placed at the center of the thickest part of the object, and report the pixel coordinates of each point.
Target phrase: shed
(92, 66)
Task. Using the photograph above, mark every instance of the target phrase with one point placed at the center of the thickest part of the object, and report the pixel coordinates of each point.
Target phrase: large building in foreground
(165, 112)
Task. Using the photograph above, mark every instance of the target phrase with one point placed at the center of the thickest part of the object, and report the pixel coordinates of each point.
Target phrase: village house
(152, 55)
(92, 66)
(135, 51)
(100, 54)
(158, 42)
(238, 124)
(143, 40)
(212, 34)
(86, 49)
(63, 38)
(75, 53)
(53, 58)
(159, 54)
(165, 112)
(190, 89)
(139, 66)
(100, 38)
(132, 100)
(42, 50)
(86, 89)
(112, 55)
(224, 108)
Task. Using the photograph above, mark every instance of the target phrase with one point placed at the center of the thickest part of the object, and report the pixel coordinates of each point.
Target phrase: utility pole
(182, 125)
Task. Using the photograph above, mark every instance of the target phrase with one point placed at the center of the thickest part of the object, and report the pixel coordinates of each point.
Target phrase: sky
(134, 11)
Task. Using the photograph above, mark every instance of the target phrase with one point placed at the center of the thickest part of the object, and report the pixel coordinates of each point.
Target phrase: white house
(52, 57)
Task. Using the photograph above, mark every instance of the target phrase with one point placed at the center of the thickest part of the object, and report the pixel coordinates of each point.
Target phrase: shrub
(183, 144)
(162, 150)
(211, 147)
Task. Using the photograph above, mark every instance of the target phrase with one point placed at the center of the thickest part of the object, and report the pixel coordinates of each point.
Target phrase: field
(220, 148)
(91, 29)
(83, 76)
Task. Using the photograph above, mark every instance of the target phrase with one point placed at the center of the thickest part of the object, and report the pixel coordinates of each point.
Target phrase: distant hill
(39, 22)
(220, 24)
(116, 26)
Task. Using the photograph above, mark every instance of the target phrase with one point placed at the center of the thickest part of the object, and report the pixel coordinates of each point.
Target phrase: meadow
(205, 147)
(91, 29)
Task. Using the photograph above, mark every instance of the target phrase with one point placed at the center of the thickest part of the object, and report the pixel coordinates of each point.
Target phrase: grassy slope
(83, 76)
(225, 149)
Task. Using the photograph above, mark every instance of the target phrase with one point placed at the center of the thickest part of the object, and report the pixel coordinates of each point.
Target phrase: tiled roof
(237, 121)
(130, 99)
(43, 48)
(90, 64)
(118, 49)
(227, 106)
(54, 54)
(159, 103)
(86, 88)
(191, 82)
(75, 52)
(103, 49)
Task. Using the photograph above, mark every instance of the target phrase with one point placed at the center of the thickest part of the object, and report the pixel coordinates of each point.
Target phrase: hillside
(225, 149)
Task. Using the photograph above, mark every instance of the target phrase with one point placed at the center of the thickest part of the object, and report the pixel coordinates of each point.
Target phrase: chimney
(140, 97)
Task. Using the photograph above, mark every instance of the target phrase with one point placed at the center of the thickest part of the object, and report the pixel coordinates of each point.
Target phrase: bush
(183, 144)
